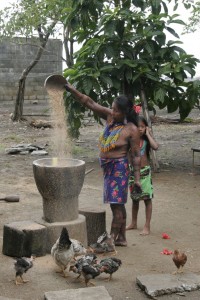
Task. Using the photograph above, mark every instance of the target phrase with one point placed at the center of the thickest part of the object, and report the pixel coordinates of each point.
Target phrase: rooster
(66, 249)
(111, 265)
(179, 260)
(22, 265)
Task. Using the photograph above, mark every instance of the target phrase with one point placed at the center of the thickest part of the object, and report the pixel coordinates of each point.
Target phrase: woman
(120, 135)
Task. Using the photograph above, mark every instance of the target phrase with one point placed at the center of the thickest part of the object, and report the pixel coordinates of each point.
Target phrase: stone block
(24, 238)
(161, 284)
(95, 222)
(91, 293)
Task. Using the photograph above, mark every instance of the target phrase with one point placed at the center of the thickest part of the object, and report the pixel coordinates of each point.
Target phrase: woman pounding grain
(120, 136)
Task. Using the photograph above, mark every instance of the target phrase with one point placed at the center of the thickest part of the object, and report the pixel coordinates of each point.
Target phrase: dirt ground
(176, 208)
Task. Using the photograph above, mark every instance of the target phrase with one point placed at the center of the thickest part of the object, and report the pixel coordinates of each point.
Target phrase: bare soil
(176, 208)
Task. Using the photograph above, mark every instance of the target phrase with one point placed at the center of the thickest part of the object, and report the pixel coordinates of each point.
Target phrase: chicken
(104, 244)
(111, 265)
(65, 249)
(90, 272)
(179, 260)
(89, 259)
(22, 265)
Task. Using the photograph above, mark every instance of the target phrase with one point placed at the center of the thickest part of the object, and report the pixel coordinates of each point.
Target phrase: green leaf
(189, 70)
(172, 31)
(107, 80)
(165, 7)
(184, 109)
(170, 42)
(110, 28)
(69, 72)
(177, 22)
(179, 76)
(161, 39)
(160, 95)
(175, 7)
(87, 85)
(151, 76)
(172, 105)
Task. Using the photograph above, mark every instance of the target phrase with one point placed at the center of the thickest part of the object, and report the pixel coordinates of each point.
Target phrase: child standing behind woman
(146, 143)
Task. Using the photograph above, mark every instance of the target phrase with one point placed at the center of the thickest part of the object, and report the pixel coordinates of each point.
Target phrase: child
(146, 142)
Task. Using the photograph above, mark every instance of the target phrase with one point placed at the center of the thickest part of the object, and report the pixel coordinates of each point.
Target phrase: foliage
(36, 20)
(194, 19)
(23, 17)
(126, 51)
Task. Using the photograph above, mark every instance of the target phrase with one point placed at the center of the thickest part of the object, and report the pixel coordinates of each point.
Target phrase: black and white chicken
(88, 259)
(90, 272)
(22, 265)
(105, 244)
(111, 265)
(66, 249)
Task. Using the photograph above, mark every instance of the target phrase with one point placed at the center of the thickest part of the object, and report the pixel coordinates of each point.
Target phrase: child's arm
(153, 144)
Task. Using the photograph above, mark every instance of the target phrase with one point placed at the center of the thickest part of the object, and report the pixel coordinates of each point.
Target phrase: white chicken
(66, 249)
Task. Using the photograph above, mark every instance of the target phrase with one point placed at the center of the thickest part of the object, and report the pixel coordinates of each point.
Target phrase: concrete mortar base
(76, 228)
(24, 238)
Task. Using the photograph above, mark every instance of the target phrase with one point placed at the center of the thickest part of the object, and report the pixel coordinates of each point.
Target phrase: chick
(64, 250)
(179, 260)
(22, 265)
(90, 272)
(89, 259)
(111, 265)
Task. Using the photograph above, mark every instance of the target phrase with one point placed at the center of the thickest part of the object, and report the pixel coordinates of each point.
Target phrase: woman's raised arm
(100, 110)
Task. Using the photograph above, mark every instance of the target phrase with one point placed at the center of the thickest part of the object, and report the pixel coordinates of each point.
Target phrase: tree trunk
(156, 166)
(19, 102)
(128, 90)
(69, 47)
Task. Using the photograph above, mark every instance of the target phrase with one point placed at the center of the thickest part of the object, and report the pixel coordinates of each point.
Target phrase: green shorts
(146, 184)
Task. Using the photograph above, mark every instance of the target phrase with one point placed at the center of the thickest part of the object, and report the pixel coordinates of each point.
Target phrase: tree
(36, 20)
(126, 51)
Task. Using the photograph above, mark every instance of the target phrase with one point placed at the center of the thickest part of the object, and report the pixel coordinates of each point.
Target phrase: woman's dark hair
(143, 120)
(126, 107)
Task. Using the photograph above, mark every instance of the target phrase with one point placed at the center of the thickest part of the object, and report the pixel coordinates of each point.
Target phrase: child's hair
(143, 120)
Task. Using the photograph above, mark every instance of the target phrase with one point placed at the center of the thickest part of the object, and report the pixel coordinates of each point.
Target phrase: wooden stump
(95, 223)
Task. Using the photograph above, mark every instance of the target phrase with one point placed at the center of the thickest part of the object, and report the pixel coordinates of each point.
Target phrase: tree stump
(95, 223)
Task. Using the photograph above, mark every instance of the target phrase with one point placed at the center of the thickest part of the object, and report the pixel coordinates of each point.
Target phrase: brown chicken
(179, 259)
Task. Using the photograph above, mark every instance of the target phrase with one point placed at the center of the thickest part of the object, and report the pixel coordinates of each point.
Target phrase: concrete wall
(14, 57)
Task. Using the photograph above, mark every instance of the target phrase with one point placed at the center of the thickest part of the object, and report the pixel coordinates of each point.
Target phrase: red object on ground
(165, 236)
(166, 252)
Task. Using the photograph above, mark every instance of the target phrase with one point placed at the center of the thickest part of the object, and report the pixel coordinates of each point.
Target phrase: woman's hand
(68, 86)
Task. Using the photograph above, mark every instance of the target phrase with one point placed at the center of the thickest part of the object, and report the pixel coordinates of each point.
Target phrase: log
(95, 223)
